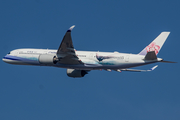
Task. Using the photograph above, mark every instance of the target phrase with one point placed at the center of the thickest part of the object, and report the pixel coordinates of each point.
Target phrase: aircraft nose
(4, 59)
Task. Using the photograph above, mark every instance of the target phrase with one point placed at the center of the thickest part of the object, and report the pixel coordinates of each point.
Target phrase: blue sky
(29, 92)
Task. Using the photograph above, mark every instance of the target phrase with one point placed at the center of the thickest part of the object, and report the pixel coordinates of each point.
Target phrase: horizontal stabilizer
(167, 61)
(151, 55)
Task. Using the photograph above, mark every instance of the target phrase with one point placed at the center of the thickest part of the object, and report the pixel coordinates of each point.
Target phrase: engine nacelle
(76, 73)
(47, 59)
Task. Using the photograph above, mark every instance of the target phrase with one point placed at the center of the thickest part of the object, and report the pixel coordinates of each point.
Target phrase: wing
(135, 70)
(66, 53)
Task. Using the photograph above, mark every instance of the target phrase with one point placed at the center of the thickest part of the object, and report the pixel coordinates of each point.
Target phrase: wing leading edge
(135, 70)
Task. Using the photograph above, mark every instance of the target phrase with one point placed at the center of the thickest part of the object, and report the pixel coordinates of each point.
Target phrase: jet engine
(47, 59)
(76, 73)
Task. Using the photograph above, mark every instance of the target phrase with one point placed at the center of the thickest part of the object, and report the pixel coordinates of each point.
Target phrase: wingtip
(154, 67)
(70, 29)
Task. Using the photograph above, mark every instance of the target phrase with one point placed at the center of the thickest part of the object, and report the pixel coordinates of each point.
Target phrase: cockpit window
(9, 53)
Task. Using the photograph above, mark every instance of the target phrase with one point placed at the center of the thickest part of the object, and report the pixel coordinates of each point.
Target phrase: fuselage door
(90, 56)
(127, 58)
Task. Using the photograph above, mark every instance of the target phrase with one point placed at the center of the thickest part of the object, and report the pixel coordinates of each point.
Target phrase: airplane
(79, 63)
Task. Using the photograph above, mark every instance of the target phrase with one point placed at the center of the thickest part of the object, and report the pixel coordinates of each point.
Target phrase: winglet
(70, 29)
(153, 68)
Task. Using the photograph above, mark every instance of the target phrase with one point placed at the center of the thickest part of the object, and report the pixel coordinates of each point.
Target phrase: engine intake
(76, 73)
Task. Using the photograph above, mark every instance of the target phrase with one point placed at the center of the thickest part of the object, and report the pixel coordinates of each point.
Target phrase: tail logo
(153, 47)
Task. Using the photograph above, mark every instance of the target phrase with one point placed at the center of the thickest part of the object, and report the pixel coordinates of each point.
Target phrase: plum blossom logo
(153, 47)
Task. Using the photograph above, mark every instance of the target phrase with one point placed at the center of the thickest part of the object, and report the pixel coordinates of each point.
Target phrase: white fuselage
(91, 60)
(79, 63)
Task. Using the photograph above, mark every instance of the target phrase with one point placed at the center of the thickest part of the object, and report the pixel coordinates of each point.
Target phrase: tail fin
(156, 44)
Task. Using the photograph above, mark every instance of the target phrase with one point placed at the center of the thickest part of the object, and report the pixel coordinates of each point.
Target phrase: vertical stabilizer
(156, 44)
